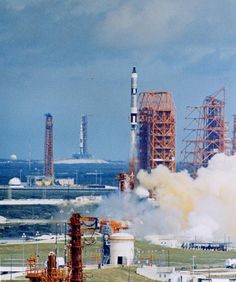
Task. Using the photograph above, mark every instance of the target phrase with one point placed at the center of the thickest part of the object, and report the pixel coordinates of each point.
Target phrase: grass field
(145, 253)
(122, 274)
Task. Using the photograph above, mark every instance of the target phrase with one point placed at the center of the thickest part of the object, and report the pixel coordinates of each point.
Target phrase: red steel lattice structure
(205, 132)
(156, 130)
(51, 273)
(48, 147)
(78, 227)
(234, 136)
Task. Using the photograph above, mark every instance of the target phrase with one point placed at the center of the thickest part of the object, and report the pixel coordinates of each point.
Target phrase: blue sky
(74, 57)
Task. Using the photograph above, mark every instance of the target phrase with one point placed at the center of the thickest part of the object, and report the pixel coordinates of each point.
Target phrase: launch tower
(234, 136)
(205, 132)
(156, 130)
(83, 148)
(48, 147)
(83, 141)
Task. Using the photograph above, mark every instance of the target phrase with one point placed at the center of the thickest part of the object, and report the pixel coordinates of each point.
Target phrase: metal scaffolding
(83, 140)
(35, 272)
(205, 132)
(48, 147)
(156, 130)
(84, 135)
(78, 227)
(234, 136)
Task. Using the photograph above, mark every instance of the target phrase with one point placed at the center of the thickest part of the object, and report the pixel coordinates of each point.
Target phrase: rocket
(134, 126)
(133, 110)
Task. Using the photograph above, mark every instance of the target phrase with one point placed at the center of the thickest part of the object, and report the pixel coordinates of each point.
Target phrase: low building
(15, 182)
(164, 240)
(65, 181)
(167, 274)
(122, 248)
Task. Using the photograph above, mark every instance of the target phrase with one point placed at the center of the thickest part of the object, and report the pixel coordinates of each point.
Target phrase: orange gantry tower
(234, 136)
(73, 270)
(79, 225)
(48, 147)
(156, 130)
(205, 132)
(51, 273)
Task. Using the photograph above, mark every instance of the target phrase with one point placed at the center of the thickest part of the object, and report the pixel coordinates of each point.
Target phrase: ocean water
(83, 173)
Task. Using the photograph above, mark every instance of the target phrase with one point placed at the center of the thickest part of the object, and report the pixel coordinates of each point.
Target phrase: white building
(167, 274)
(15, 182)
(65, 181)
(122, 248)
(164, 240)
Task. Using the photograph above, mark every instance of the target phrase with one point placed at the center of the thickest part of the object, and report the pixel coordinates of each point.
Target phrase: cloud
(194, 54)
(18, 6)
(227, 53)
(52, 48)
(143, 24)
(181, 30)
(93, 7)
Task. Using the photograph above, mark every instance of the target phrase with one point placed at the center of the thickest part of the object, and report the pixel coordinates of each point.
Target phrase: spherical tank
(13, 157)
(15, 181)
(122, 248)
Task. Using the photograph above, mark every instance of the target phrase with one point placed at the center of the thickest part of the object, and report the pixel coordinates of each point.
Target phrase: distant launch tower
(156, 134)
(83, 146)
(133, 123)
(83, 140)
(48, 147)
(234, 136)
(205, 132)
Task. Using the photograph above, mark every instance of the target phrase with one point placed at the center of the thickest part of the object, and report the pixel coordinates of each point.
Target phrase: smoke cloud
(205, 205)
(201, 208)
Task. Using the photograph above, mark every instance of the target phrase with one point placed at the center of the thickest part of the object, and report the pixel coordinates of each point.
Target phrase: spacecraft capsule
(133, 111)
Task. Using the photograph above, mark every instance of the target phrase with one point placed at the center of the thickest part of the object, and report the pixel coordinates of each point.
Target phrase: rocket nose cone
(134, 70)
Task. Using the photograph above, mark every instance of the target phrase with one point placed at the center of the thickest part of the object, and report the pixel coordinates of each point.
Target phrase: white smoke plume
(206, 205)
(143, 218)
(203, 208)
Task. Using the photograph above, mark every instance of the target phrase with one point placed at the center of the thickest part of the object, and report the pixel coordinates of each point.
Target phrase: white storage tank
(122, 248)
(15, 182)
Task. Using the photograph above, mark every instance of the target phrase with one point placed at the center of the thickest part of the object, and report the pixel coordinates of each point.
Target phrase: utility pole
(193, 264)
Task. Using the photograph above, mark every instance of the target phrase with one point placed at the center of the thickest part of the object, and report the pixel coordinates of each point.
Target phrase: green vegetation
(182, 258)
(121, 274)
(144, 253)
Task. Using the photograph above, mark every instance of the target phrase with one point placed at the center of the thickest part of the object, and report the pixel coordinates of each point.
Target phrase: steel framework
(83, 139)
(234, 136)
(48, 147)
(156, 130)
(84, 135)
(51, 273)
(73, 270)
(78, 226)
(205, 132)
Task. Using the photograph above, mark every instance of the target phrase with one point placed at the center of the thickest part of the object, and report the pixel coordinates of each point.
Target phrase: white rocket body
(134, 126)
(134, 90)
